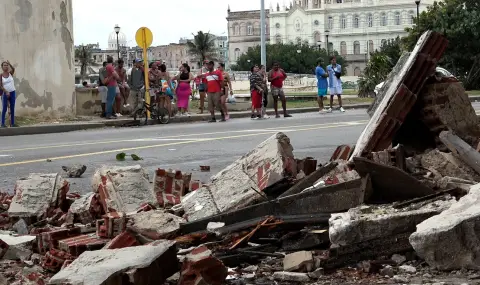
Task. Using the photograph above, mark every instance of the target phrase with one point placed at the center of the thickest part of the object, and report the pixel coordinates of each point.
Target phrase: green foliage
(459, 21)
(288, 56)
(121, 156)
(202, 47)
(83, 54)
(136, 157)
(379, 66)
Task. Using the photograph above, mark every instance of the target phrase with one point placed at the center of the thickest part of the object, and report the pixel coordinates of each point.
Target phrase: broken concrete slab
(300, 261)
(86, 209)
(448, 165)
(449, 241)
(239, 184)
(291, 277)
(155, 224)
(19, 247)
(461, 149)
(372, 222)
(149, 264)
(123, 189)
(201, 267)
(340, 174)
(38, 195)
(400, 94)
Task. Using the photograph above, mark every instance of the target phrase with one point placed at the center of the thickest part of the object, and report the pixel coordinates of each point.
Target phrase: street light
(319, 44)
(299, 51)
(328, 46)
(117, 30)
(418, 18)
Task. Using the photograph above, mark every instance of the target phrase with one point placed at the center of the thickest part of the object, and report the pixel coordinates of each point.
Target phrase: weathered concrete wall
(37, 38)
(88, 102)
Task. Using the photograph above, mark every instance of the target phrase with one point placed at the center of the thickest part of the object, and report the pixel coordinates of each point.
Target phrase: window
(343, 48)
(330, 47)
(370, 46)
(343, 22)
(357, 71)
(370, 20)
(398, 20)
(278, 39)
(411, 16)
(356, 47)
(236, 30)
(249, 29)
(383, 19)
(330, 23)
(237, 53)
(356, 21)
(316, 37)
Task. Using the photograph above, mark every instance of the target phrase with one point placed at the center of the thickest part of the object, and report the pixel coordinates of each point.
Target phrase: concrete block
(237, 185)
(372, 222)
(298, 261)
(199, 204)
(37, 195)
(155, 224)
(86, 209)
(448, 165)
(146, 265)
(200, 267)
(291, 277)
(449, 241)
(17, 247)
(123, 189)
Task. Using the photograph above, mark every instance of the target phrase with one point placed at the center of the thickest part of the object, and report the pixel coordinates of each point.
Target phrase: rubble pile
(400, 206)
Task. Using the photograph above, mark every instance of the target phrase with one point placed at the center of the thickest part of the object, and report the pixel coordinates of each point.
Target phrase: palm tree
(202, 47)
(84, 56)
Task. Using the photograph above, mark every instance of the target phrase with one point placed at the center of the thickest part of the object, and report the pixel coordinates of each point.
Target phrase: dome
(112, 40)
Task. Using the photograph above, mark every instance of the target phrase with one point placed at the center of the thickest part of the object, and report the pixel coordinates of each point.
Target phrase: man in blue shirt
(335, 83)
(322, 84)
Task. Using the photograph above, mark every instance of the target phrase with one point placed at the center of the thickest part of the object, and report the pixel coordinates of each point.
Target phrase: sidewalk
(126, 122)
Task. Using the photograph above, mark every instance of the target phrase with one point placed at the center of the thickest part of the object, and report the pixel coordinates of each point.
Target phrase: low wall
(88, 102)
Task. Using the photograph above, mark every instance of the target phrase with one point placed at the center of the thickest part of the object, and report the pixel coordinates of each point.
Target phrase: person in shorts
(202, 86)
(335, 82)
(276, 76)
(322, 84)
(214, 79)
(102, 88)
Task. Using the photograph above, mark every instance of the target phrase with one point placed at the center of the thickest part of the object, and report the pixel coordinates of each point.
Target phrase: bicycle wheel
(141, 114)
(163, 115)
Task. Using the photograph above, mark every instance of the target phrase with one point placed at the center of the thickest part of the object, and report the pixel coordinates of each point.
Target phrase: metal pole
(263, 48)
(328, 47)
(118, 48)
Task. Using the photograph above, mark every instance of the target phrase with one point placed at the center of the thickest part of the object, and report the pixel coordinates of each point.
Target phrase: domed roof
(122, 39)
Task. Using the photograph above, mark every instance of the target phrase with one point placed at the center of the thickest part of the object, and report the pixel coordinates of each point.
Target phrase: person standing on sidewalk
(102, 88)
(214, 80)
(183, 89)
(322, 84)
(256, 90)
(276, 76)
(111, 82)
(227, 89)
(8, 92)
(335, 83)
(136, 81)
(202, 86)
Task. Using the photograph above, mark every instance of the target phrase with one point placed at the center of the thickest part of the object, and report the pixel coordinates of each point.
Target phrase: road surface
(176, 146)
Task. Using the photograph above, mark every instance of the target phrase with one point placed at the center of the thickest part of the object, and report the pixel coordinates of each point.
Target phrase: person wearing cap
(136, 81)
(215, 84)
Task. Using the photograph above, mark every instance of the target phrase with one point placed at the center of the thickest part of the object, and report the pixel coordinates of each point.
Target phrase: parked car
(438, 71)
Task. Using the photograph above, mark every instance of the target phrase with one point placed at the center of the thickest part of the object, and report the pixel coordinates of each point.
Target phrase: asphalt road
(176, 146)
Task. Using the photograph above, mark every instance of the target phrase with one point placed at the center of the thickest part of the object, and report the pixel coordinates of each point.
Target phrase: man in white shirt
(335, 83)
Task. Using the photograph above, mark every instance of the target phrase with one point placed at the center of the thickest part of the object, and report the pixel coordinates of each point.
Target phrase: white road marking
(5, 155)
(159, 139)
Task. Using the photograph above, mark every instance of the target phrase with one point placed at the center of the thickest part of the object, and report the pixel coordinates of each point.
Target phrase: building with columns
(354, 28)
(244, 32)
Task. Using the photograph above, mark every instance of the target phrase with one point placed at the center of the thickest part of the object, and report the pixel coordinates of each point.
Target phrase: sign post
(144, 38)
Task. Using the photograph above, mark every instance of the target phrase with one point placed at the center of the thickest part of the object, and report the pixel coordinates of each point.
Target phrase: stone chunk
(407, 269)
(86, 209)
(123, 189)
(449, 241)
(398, 259)
(291, 277)
(387, 271)
(238, 185)
(448, 165)
(298, 261)
(141, 265)
(200, 267)
(38, 195)
(155, 224)
(369, 222)
(19, 247)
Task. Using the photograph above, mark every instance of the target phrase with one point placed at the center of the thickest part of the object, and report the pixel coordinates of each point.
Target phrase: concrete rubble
(404, 196)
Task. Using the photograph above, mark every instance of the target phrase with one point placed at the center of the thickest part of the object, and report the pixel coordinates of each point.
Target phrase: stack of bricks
(125, 239)
(170, 186)
(49, 240)
(54, 260)
(200, 267)
(79, 244)
(112, 225)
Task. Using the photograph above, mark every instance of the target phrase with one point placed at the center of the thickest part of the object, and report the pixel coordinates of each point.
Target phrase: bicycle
(159, 113)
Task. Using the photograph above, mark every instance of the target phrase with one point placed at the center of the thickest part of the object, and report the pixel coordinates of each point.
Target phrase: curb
(61, 128)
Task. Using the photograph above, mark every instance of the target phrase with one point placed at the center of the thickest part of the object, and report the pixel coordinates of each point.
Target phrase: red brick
(112, 225)
(124, 239)
(54, 260)
(49, 240)
(170, 186)
(195, 185)
(200, 267)
(79, 244)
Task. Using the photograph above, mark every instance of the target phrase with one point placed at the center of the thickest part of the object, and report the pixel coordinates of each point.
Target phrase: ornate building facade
(244, 32)
(354, 28)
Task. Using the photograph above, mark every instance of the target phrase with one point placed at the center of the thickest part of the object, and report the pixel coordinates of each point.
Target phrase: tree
(379, 66)
(458, 21)
(202, 47)
(288, 56)
(83, 54)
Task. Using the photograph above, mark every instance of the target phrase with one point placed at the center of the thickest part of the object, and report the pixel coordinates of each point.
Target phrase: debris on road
(75, 171)
(404, 197)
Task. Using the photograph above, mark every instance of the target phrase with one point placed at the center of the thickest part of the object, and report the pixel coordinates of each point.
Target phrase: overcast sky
(169, 20)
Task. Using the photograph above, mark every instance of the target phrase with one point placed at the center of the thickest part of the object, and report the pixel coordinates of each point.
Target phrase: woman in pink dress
(183, 90)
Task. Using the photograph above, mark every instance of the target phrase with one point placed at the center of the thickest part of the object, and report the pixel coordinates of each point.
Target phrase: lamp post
(117, 30)
(418, 17)
(328, 45)
(299, 51)
(319, 45)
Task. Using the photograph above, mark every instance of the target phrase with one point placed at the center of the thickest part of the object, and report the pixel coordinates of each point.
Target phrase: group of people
(329, 78)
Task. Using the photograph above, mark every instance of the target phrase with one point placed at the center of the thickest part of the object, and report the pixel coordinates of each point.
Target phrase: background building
(354, 27)
(244, 32)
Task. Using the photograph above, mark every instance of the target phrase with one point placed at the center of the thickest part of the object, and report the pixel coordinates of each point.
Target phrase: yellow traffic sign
(144, 37)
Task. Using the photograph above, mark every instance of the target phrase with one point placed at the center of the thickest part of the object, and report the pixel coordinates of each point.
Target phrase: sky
(169, 20)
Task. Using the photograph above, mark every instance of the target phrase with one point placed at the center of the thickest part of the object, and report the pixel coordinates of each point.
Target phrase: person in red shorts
(215, 84)
(276, 76)
(256, 89)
